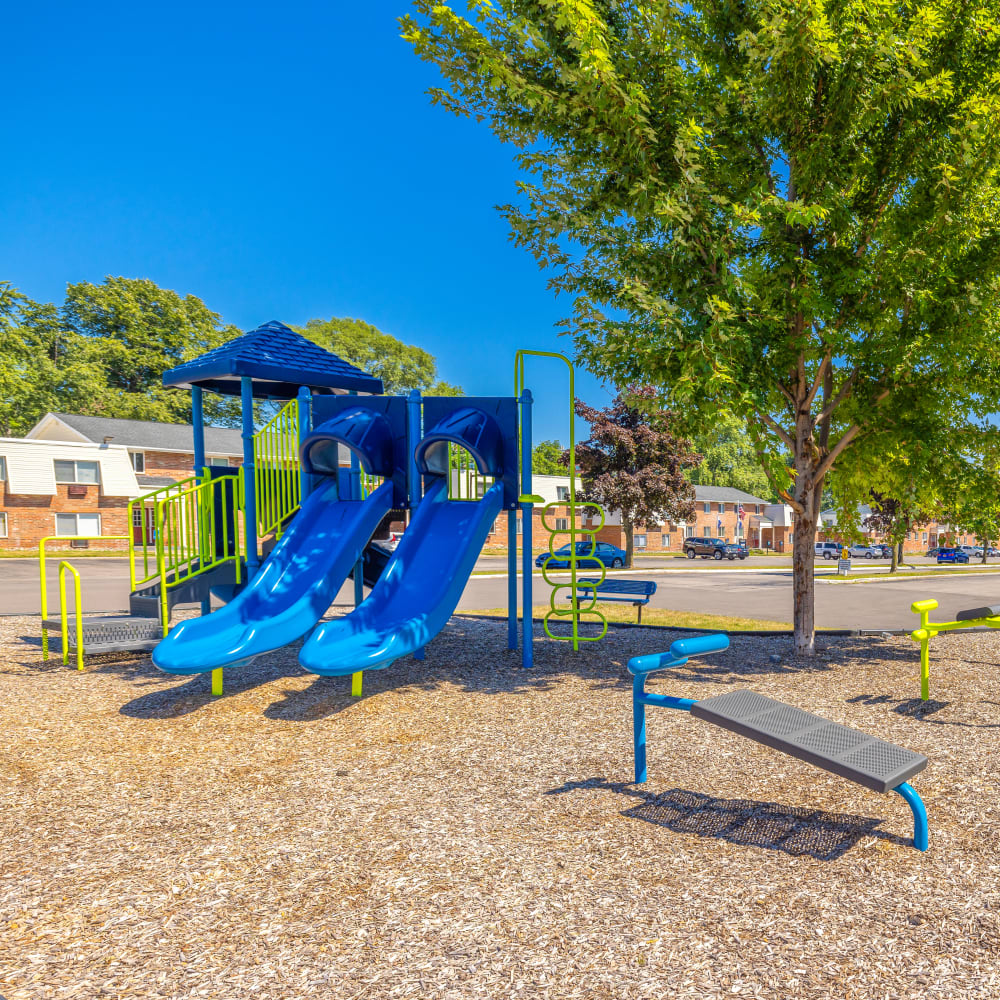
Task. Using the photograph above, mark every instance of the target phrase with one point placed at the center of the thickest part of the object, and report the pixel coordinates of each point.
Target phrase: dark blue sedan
(952, 556)
(587, 554)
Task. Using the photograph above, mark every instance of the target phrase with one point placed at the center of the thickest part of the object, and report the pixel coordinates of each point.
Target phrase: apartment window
(88, 473)
(664, 541)
(739, 528)
(3, 469)
(78, 524)
(562, 524)
(640, 541)
(3, 524)
(925, 536)
(562, 493)
(708, 508)
(722, 508)
(756, 508)
(138, 459)
(719, 532)
(520, 526)
(689, 531)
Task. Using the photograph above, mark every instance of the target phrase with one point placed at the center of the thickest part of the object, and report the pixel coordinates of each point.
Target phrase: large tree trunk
(986, 545)
(896, 549)
(803, 579)
(629, 528)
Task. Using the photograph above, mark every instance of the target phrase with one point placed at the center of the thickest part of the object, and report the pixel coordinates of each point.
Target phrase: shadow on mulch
(920, 710)
(745, 822)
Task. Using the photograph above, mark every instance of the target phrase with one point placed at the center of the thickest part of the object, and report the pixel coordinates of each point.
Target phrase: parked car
(828, 550)
(734, 551)
(931, 553)
(707, 548)
(952, 556)
(865, 552)
(991, 551)
(587, 554)
(972, 551)
(885, 550)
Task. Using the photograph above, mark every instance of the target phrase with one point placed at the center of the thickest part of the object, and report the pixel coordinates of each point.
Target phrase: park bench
(635, 592)
(846, 752)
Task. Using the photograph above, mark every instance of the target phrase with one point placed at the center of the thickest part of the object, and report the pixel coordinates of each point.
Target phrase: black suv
(715, 548)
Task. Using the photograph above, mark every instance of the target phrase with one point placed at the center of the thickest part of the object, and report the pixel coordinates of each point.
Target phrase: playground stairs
(221, 581)
(109, 633)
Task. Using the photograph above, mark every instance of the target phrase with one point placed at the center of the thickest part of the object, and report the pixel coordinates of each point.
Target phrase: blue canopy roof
(279, 361)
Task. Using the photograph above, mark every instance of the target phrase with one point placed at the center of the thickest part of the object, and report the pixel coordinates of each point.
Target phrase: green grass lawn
(658, 616)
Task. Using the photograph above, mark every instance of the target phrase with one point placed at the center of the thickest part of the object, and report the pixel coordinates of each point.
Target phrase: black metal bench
(853, 755)
(636, 592)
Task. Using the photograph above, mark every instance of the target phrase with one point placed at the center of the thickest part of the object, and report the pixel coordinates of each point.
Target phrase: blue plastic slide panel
(296, 584)
(417, 593)
(856, 756)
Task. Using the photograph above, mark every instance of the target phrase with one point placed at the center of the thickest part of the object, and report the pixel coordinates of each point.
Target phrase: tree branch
(828, 409)
(818, 381)
(777, 428)
(835, 452)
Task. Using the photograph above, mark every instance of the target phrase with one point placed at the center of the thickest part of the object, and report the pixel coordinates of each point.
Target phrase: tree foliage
(728, 458)
(634, 463)
(546, 459)
(788, 211)
(401, 367)
(893, 518)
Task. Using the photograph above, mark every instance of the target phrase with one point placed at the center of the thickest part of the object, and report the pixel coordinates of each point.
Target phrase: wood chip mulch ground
(469, 829)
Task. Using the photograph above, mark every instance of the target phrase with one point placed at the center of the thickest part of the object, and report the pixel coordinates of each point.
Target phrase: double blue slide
(412, 600)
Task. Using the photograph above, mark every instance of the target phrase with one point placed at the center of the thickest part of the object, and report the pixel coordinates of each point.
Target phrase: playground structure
(853, 755)
(987, 617)
(275, 539)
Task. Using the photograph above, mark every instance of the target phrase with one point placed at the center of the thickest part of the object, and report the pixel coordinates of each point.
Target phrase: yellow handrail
(277, 470)
(41, 573)
(151, 498)
(63, 567)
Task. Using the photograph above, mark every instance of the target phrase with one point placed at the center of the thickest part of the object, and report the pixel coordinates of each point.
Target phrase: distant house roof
(829, 516)
(278, 359)
(136, 434)
(724, 494)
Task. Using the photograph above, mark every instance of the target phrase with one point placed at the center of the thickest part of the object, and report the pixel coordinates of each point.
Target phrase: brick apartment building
(73, 475)
(920, 539)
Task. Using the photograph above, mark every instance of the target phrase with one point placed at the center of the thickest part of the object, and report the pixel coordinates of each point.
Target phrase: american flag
(739, 513)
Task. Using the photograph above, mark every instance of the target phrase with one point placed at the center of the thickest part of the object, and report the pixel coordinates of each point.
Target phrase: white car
(971, 550)
(828, 550)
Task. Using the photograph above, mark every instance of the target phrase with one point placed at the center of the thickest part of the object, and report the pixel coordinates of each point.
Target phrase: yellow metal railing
(369, 484)
(65, 566)
(195, 534)
(142, 553)
(277, 470)
(465, 481)
(43, 580)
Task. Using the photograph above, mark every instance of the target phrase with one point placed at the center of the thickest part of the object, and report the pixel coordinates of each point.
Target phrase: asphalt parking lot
(750, 591)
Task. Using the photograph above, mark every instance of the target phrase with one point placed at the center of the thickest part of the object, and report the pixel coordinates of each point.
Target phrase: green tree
(43, 366)
(135, 331)
(783, 210)
(546, 459)
(634, 463)
(728, 458)
(401, 367)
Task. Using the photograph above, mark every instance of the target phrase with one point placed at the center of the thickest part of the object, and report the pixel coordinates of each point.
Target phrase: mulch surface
(469, 829)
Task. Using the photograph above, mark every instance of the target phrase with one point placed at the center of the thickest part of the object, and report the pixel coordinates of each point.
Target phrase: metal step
(856, 756)
(145, 601)
(109, 633)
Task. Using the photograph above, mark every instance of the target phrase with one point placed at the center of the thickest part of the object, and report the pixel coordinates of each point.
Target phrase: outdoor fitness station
(853, 755)
(988, 617)
(319, 484)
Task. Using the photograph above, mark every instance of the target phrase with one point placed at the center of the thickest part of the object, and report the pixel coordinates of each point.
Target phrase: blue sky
(280, 161)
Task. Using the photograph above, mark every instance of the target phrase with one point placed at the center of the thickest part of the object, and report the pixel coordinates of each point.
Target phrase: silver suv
(828, 550)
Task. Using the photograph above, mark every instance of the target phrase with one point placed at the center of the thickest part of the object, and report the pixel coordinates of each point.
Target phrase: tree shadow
(920, 710)
(747, 823)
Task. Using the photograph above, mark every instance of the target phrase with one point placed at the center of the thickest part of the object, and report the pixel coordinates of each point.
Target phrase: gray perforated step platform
(856, 756)
(110, 633)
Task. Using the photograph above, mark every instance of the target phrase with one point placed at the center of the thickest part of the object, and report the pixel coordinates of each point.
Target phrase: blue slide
(417, 593)
(292, 591)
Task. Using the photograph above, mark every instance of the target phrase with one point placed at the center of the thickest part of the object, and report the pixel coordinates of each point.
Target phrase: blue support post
(639, 727)
(359, 566)
(512, 578)
(198, 435)
(249, 478)
(303, 398)
(916, 804)
(413, 435)
(527, 606)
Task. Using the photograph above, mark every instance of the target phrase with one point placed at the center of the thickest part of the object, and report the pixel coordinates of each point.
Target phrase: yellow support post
(63, 567)
(356, 680)
(217, 682)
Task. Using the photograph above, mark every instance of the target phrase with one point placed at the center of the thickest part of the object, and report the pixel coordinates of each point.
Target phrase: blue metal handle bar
(916, 804)
(678, 653)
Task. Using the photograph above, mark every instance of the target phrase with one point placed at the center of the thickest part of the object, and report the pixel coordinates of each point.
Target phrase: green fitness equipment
(575, 608)
(527, 500)
(988, 617)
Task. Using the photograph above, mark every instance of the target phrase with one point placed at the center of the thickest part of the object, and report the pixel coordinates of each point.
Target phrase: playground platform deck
(468, 829)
